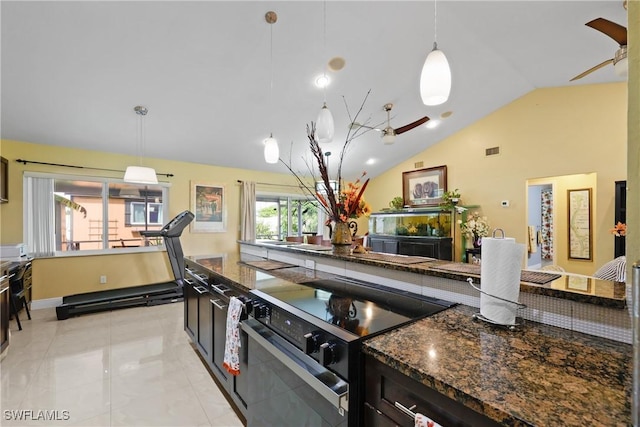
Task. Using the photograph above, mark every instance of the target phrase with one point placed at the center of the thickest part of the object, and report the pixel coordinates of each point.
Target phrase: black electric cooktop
(363, 309)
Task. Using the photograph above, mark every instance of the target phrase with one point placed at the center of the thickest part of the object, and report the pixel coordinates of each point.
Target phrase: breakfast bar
(539, 374)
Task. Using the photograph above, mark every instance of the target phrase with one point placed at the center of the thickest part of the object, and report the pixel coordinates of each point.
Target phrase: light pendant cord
(324, 51)
(435, 24)
(271, 76)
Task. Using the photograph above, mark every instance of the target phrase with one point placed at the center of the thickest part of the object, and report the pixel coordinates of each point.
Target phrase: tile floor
(129, 367)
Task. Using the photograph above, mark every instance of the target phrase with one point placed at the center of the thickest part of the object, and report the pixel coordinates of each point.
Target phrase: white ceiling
(73, 71)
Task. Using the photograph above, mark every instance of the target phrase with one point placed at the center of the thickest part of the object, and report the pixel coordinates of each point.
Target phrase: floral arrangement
(476, 226)
(619, 230)
(347, 202)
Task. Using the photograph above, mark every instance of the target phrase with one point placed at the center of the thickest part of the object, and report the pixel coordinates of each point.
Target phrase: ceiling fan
(619, 34)
(389, 133)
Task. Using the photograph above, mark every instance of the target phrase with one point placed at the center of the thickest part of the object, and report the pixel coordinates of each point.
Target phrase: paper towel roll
(500, 276)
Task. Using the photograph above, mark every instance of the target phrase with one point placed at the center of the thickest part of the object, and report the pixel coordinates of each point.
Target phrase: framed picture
(424, 187)
(579, 223)
(209, 206)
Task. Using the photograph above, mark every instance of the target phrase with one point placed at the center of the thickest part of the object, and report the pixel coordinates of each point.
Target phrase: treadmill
(155, 294)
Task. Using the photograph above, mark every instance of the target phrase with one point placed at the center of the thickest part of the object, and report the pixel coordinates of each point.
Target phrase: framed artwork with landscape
(209, 206)
(424, 187)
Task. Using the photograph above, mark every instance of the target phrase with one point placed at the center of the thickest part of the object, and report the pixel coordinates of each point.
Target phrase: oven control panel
(307, 336)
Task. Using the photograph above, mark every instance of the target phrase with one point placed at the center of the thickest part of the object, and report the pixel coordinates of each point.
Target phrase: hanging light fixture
(435, 80)
(325, 127)
(140, 174)
(271, 149)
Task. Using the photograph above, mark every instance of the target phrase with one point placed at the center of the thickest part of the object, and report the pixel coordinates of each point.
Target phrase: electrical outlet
(103, 280)
(504, 203)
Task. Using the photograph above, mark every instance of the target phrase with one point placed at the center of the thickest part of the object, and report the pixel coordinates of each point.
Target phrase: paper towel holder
(478, 316)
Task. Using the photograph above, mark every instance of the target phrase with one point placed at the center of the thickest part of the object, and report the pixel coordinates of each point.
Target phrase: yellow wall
(547, 133)
(64, 276)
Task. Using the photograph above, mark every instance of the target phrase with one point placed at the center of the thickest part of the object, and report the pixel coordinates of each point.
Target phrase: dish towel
(532, 244)
(232, 342)
(424, 421)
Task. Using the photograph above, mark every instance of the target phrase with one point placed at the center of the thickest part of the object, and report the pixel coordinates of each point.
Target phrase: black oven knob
(259, 311)
(328, 354)
(311, 342)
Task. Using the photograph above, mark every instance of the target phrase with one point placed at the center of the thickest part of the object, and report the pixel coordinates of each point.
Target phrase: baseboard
(45, 303)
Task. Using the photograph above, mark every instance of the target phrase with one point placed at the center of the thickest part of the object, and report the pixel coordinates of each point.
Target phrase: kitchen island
(536, 375)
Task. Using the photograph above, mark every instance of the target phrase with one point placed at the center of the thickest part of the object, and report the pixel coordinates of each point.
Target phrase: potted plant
(450, 199)
(397, 203)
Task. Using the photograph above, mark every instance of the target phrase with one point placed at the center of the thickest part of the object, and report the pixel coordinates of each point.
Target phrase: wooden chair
(314, 240)
(20, 296)
(297, 239)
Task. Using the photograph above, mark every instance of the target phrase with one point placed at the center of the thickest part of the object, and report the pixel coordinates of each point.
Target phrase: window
(280, 216)
(71, 213)
(153, 214)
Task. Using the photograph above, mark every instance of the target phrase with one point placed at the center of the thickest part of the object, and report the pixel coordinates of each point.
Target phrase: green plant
(450, 199)
(396, 203)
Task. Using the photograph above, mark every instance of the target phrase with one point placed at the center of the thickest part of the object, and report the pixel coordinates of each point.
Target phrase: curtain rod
(24, 162)
(270, 183)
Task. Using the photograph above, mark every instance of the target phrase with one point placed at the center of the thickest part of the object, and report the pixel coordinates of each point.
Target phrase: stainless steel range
(305, 363)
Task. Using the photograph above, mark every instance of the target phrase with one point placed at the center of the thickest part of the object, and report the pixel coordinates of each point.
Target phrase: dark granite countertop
(572, 287)
(538, 375)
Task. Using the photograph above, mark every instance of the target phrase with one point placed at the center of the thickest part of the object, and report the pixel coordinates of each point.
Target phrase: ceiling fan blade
(611, 29)
(410, 126)
(592, 69)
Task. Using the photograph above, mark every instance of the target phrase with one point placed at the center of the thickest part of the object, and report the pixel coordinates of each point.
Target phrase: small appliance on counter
(15, 250)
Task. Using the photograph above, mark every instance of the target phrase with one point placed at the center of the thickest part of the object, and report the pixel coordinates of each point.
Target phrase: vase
(477, 241)
(341, 239)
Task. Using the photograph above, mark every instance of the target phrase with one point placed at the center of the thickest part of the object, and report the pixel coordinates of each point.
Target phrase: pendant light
(325, 127)
(140, 174)
(271, 149)
(435, 80)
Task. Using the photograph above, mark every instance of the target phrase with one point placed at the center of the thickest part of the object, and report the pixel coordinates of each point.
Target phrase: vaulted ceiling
(72, 72)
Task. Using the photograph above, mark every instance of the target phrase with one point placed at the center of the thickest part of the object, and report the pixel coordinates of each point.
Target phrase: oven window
(283, 398)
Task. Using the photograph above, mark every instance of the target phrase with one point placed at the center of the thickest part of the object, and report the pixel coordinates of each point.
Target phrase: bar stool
(314, 240)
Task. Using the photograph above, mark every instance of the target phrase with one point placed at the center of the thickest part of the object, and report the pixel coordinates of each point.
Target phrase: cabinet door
(429, 249)
(384, 387)
(4, 317)
(219, 309)
(204, 323)
(191, 310)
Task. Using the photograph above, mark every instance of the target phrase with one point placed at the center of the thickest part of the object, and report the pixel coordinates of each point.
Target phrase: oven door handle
(326, 383)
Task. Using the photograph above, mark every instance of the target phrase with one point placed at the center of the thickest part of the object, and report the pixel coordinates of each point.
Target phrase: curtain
(40, 217)
(248, 211)
(546, 230)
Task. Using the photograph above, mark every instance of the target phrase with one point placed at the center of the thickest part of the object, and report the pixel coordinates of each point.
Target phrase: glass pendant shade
(140, 175)
(388, 138)
(435, 80)
(325, 128)
(271, 150)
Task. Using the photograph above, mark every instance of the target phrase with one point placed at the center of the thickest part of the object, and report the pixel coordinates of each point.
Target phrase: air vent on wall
(418, 165)
(492, 151)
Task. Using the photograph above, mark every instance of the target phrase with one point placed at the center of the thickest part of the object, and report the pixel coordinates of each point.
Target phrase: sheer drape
(248, 211)
(40, 216)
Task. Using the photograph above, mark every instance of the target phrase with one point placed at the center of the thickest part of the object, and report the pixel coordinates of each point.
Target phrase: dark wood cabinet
(620, 216)
(386, 245)
(432, 247)
(191, 309)
(386, 390)
(204, 323)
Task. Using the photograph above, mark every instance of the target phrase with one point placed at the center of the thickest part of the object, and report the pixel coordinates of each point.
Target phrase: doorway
(540, 226)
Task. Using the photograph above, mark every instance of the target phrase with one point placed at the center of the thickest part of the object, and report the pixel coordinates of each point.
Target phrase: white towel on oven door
(232, 342)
